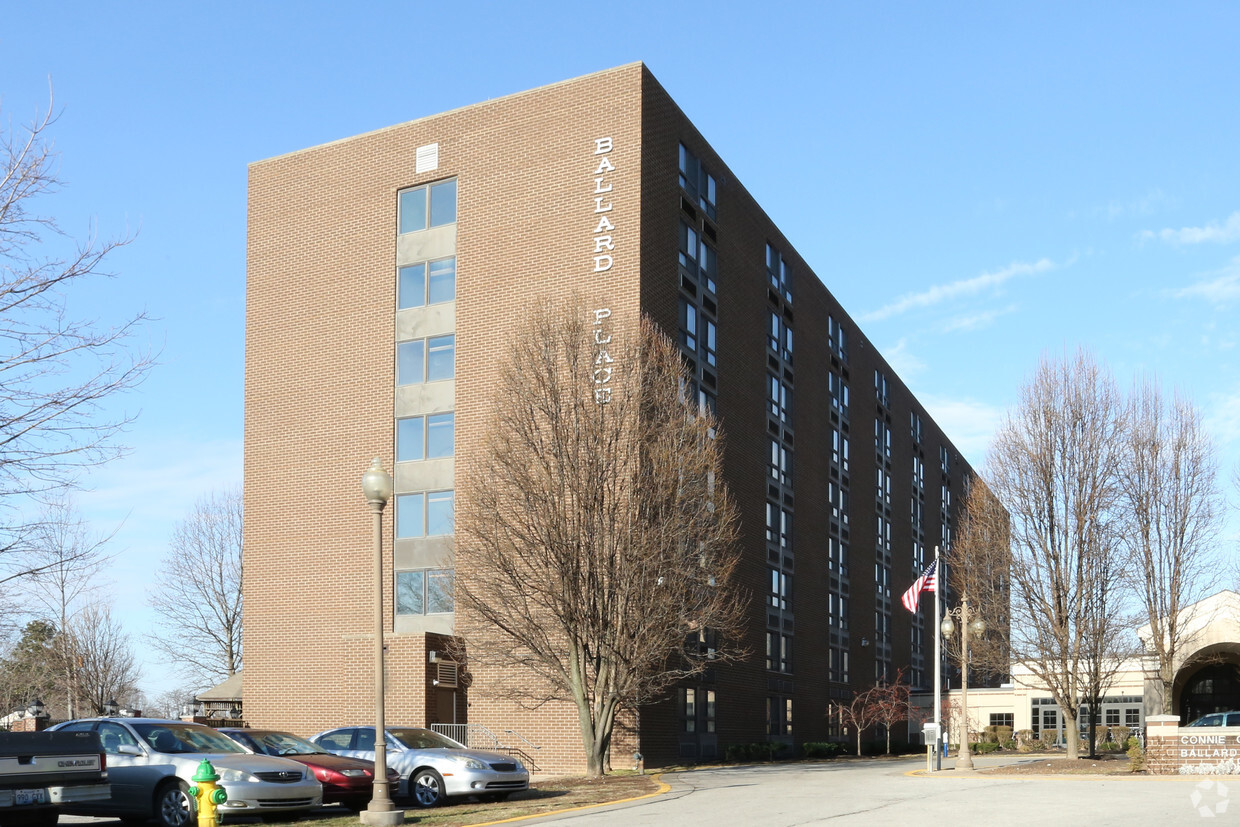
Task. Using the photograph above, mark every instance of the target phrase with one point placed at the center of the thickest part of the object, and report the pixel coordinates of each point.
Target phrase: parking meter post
(207, 795)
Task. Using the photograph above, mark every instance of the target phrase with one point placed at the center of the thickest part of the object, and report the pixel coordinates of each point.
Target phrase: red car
(349, 781)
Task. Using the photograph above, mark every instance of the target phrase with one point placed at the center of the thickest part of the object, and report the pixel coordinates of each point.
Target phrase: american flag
(928, 582)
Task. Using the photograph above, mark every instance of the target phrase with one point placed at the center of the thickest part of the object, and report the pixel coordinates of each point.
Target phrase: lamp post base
(382, 818)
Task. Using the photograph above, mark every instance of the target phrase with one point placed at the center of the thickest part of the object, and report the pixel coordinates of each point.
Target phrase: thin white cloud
(1214, 233)
(977, 321)
(902, 361)
(959, 289)
(1223, 289)
(1147, 204)
(970, 424)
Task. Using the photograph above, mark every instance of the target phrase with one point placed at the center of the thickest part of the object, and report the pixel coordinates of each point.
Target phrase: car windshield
(172, 737)
(1208, 720)
(282, 743)
(423, 739)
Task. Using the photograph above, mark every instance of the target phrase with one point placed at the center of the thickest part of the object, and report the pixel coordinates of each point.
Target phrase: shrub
(985, 747)
(762, 751)
(1048, 737)
(1025, 740)
(1003, 734)
(1136, 755)
(822, 749)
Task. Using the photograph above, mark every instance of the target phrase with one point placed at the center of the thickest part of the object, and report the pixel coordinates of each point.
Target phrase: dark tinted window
(338, 739)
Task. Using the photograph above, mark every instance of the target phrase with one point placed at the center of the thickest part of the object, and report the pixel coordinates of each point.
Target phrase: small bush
(823, 749)
(1025, 740)
(1009, 745)
(1003, 734)
(985, 747)
(762, 751)
(1136, 755)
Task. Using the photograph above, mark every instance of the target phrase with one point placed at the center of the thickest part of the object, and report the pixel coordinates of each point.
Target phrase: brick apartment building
(386, 273)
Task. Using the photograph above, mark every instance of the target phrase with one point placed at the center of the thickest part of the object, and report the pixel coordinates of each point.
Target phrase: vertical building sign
(604, 259)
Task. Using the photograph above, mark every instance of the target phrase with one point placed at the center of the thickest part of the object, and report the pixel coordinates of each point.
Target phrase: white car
(152, 762)
(432, 767)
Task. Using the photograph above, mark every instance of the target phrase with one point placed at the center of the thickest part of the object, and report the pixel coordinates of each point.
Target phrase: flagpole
(938, 662)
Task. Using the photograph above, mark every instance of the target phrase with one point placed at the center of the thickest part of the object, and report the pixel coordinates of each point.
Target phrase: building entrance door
(1213, 688)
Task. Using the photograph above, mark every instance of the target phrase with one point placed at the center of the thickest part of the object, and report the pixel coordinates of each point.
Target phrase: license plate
(30, 797)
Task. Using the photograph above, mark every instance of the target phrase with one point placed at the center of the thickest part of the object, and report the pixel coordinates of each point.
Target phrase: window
(697, 257)
(424, 514)
(426, 360)
(838, 390)
(1132, 716)
(710, 709)
(696, 181)
(880, 388)
(438, 201)
(1112, 716)
(689, 709)
(915, 426)
(439, 513)
(780, 588)
(424, 283)
(779, 273)
(425, 437)
(837, 338)
(427, 591)
(882, 439)
(779, 652)
(688, 325)
(1001, 719)
(708, 342)
(779, 395)
(781, 463)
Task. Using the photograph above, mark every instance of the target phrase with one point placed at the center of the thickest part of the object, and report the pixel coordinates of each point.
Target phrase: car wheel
(172, 805)
(427, 788)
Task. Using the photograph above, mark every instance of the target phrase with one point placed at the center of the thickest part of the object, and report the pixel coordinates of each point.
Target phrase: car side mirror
(129, 749)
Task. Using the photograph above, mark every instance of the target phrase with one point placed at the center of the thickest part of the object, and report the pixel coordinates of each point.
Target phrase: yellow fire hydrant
(207, 794)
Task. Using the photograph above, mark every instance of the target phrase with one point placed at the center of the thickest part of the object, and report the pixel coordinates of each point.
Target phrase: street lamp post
(377, 486)
(978, 627)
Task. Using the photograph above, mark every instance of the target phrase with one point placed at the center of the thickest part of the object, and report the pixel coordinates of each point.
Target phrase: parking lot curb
(658, 777)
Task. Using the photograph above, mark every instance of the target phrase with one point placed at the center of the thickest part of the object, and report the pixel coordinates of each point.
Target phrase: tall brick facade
(830, 539)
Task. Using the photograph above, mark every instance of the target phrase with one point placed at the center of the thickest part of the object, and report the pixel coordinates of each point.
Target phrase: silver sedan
(152, 762)
(432, 767)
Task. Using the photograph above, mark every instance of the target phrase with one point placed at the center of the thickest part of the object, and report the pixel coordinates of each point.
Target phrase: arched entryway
(1212, 687)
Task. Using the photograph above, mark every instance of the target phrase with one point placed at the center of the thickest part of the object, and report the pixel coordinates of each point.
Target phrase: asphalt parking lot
(879, 792)
(883, 792)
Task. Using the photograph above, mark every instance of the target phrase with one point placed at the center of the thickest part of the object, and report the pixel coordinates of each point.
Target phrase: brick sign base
(1171, 749)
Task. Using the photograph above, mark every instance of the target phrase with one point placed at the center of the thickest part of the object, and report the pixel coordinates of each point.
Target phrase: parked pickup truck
(39, 771)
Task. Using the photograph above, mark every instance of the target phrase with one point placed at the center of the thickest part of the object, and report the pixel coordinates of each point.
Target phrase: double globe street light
(977, 627)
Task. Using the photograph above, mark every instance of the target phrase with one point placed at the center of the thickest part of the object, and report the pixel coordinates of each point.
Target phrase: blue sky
(978, 184)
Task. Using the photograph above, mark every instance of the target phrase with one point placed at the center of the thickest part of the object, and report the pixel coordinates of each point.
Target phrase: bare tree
(890, 703)
(1054, 465)
(107, 669)
(597, 546)
(861, 713)
(56, 370)
(976, 568)
(198, 594)
(1172, 505)
(67, 559)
